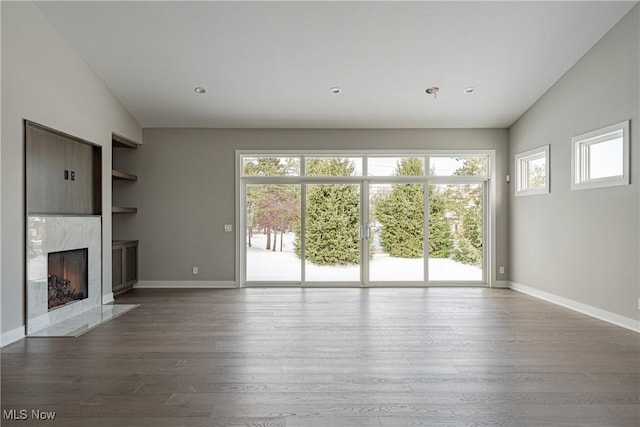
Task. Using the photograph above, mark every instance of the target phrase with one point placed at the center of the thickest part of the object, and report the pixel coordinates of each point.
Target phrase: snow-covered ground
(266, 265)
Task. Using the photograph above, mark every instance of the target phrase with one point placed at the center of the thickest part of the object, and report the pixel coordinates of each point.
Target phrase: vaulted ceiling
(273, 64)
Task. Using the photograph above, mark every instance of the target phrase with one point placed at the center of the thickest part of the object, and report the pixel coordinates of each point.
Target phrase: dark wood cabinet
(124, 265)
(63, 173)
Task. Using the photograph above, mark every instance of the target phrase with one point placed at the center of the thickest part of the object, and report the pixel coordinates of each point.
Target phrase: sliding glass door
(272, 213)
(364, 221)
(332, 233)
(396, 233)
(456, 232)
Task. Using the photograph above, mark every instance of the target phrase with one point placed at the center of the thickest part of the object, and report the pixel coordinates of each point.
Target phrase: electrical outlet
(195, 270)
(638, 303)
(228, 228)
(501, 270)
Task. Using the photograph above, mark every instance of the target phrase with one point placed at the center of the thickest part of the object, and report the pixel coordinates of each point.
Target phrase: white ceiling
(271, 64)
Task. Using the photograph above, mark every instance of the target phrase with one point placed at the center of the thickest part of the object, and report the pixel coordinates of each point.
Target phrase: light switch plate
(228, 228)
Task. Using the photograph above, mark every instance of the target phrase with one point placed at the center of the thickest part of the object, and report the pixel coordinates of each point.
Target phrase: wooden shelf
(116, 174)
(118, 141)
(123, 242)
(124, 252)
(121, 210)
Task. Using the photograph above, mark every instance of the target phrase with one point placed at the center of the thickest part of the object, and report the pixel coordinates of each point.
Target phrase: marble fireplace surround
(54, 233)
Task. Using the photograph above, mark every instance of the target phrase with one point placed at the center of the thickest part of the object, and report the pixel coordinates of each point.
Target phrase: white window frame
(522, 171)
(580, 157)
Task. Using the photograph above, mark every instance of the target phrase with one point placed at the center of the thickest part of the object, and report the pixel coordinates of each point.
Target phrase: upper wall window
(333, 166)
(532, 172)
(395, 166)
(601, 158)
(270, 166)
(376, 165)
(458, 165)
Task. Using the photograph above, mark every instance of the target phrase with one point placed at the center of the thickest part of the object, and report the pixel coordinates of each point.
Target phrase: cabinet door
(62, 174)
(79, 163)
(131, 262)
(116, 268)
(46, 186)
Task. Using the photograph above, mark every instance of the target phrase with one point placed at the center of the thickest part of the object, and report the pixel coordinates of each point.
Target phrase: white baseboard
(500, 284)
(598, 313)
(185, 284)
(107, 298)
(12, 336)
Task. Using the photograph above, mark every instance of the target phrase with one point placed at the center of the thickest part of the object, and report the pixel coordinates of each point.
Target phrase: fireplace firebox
(67, 277)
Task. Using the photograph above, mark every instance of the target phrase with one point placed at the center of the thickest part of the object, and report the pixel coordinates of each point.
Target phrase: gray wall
(1, 192)
(583, 245)
(44, 80)
(186, 189)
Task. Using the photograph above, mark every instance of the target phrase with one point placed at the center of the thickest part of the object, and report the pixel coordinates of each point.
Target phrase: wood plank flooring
(330, 358)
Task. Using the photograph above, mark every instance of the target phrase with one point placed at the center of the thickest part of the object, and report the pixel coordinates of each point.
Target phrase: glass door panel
(456, 213)
(332, 233)
(273, 233)
(396, 230)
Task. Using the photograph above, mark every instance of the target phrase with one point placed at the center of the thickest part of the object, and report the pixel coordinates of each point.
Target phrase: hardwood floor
(331, 357)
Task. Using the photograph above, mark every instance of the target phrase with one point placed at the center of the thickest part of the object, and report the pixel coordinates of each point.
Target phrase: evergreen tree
(271, 166)
(401, 213)
(333, 216)
(472, 166)
(466, 203)
(469, 242)
(440, 241)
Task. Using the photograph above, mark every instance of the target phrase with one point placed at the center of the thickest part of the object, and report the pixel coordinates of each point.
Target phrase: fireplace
(51, 243)
(67, 277)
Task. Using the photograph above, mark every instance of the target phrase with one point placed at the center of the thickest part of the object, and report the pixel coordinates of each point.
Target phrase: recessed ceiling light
(335, 90)
(469, 89)
(200, 90)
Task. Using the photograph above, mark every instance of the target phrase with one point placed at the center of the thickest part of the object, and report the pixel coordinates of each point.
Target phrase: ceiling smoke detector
(200, 90)
(433, 90)
(335, 90)
(470, 89)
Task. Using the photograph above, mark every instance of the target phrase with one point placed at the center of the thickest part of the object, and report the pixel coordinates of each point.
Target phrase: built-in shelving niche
(118, 142)
(125, 252)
